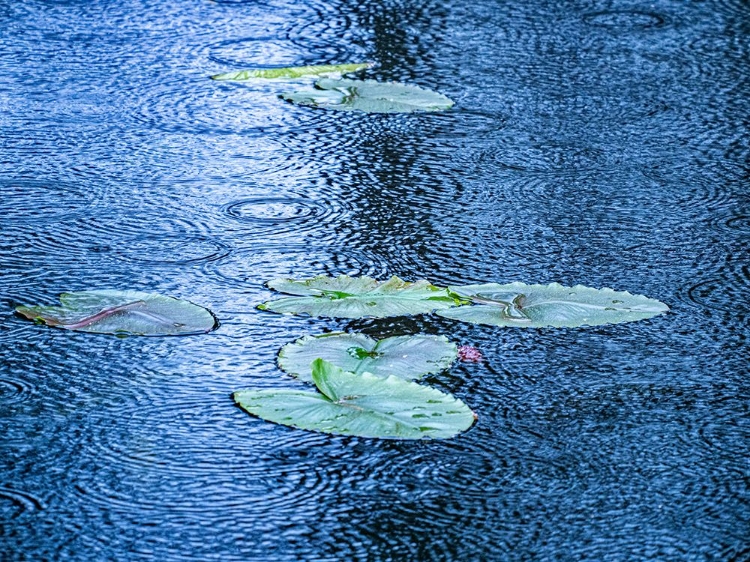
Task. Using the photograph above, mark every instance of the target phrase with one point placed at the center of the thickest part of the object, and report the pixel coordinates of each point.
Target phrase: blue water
(602, 142)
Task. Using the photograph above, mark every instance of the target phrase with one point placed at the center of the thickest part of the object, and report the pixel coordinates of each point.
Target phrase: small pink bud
(469, 354)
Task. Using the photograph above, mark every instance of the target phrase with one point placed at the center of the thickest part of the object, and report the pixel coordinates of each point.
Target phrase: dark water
(596, 142)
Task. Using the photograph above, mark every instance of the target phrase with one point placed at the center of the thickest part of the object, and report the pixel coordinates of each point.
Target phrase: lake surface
(596, 142)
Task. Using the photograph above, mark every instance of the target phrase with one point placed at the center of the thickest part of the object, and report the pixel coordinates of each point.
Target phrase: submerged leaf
(123, 312)
(554, 305)
(330, 70)
(358, 297)
(369, 96)
(362, 405)
(407, 357)
(469, 354)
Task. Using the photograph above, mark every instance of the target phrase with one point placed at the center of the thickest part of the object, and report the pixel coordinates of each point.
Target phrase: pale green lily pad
(537, 306)
(358, 297)
(123, 313)
(407, 357)
(362, 405)
(293, 72)
(369, 96)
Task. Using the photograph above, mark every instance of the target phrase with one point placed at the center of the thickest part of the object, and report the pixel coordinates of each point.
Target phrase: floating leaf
(407, 357)
(369, 96)
(330, 70)
(536, 306)
(363, 405)
(358, 297)
(123, 312)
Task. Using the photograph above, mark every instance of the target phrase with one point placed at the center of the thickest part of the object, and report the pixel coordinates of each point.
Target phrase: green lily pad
(358, 297)
(362, 405)
(292, 72)
(123, 313)
(536, 306)
(369, 96)
(407, 357)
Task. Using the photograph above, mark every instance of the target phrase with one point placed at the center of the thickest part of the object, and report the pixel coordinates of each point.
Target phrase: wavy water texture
(595, 142)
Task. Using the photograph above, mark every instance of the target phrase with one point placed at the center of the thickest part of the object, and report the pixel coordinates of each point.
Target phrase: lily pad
(358, 297)
(536, 306)
(291, 72)
(369, 96)
(123, 313)
(407, 357)
(363, 405)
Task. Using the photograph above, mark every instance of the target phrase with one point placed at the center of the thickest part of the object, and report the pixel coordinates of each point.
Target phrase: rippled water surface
(601, 142)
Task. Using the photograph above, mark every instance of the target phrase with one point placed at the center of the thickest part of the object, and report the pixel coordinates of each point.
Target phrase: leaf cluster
(332, 91)
(364, 387)
(376, 404)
